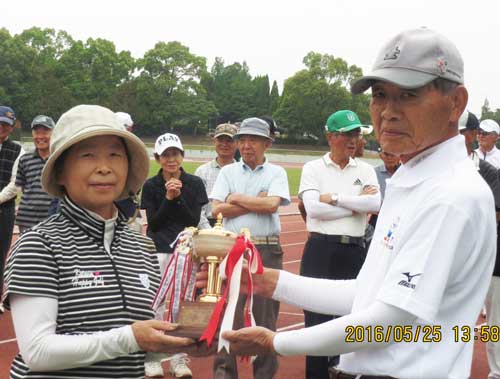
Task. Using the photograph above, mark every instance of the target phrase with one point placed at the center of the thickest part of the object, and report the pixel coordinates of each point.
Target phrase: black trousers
(327, 260)
(7, 216)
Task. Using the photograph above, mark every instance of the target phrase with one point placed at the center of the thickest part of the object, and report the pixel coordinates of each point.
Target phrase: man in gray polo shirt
(35, 202)
(248, 194)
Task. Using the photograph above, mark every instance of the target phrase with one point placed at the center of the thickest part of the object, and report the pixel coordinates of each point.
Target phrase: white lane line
(294, 326)
(291, 314)
(291, 262)
(293, 244)
(294, 231)
(7, 341)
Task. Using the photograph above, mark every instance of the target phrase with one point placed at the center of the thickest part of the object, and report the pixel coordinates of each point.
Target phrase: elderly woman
(80, 284)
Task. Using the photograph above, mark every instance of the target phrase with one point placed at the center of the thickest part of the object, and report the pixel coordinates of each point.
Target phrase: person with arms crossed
(423, 271)
(338, 192)
(248, 193)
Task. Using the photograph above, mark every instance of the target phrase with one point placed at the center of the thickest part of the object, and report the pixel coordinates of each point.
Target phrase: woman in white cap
(173, 200)
(80, 284)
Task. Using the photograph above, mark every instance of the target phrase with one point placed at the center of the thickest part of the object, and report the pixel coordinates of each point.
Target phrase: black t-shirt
(167, 218)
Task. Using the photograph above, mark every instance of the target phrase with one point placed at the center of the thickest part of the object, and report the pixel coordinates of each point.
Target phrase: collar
(244, 166)
(328, 162)
(488, 153)
(215, 164)
(430, 163)
(89, 222)
(475, 158)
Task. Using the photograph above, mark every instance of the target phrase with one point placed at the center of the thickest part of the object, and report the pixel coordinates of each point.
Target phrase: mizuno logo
(407, 283)
(409, 276)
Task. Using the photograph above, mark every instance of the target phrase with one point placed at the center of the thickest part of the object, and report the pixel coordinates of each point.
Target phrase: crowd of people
(409, 243)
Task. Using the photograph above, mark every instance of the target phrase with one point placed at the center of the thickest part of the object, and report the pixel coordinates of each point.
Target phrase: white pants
(492, 304)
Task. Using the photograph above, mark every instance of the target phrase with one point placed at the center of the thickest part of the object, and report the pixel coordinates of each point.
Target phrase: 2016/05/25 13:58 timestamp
(420, 333)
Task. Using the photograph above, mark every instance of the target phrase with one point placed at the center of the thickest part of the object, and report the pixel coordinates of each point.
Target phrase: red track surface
(292, 238)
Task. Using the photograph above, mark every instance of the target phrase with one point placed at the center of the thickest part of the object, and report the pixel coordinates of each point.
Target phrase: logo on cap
(442, 65)
(351, 117)
(394, 54)
(9, 115)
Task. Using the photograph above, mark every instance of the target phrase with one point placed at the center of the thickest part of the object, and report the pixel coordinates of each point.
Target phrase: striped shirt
(64, 258)
(35, 202)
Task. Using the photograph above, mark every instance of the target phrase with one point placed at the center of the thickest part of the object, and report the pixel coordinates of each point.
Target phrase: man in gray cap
(411, 310)
(248, 194)
(35, 202)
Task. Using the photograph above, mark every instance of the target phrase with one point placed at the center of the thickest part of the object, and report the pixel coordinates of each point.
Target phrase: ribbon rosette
(179, 277)
(231, 269)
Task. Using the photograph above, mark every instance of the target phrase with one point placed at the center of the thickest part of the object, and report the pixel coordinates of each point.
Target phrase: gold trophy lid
(217, 230)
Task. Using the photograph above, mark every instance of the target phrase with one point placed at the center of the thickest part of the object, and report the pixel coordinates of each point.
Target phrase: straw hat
(86, 121)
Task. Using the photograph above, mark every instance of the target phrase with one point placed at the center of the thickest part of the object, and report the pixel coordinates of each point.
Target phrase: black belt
(346, 240)
(336, 374)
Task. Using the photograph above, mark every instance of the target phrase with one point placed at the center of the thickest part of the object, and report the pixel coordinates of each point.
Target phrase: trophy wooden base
(193, 318)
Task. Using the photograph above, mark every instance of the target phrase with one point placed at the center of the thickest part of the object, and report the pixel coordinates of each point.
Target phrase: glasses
(351, 134)
(483, 133)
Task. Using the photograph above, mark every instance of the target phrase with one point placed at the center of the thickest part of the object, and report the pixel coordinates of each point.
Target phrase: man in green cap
(338, 192)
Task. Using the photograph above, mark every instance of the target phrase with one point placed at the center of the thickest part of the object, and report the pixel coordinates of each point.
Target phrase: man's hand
(150, 336)
(173, 187)
(250, 341)
(369, 190)
(325, 198)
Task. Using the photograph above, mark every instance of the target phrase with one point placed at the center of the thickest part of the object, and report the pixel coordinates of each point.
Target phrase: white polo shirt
(432, 254)
(492, 156)
(326, 176)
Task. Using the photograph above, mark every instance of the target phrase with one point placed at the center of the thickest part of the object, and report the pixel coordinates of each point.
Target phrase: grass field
(293, 174)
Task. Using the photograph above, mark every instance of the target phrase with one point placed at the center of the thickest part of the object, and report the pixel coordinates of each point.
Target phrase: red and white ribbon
(231, 269)
(178, 280)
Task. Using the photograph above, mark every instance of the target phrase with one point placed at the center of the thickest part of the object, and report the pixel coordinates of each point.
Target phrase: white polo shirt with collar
(326, 176)
(492, 156)
(432, 251)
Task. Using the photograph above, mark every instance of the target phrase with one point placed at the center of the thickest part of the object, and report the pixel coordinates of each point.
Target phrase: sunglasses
(483, 133)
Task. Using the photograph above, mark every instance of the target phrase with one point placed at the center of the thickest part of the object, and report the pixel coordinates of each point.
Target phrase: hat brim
(401, 77)
(7, 120)
(138, 160)
(348, 128)
(224, 134)
(250, 133)
(366, 129)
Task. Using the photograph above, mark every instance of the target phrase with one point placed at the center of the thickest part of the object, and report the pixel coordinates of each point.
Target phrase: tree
(274, 98)
(314, 93)
(169, 92)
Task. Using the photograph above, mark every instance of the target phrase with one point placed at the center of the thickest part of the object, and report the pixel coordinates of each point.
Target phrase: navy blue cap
(7, 115)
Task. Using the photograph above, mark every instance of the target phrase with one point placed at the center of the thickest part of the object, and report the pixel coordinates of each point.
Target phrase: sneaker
(153, 369)
(179, 367)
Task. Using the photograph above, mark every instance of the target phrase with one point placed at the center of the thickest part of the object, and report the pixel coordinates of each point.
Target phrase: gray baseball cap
(254, 126)
(413, 59)
(43, 121)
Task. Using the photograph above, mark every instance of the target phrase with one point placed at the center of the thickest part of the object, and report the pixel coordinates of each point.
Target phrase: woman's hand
(173, 187)
(150, 336)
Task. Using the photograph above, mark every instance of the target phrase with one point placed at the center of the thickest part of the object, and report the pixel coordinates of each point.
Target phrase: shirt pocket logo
(144, 279)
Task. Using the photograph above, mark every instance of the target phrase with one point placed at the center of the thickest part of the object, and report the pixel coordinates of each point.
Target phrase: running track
(292, 238)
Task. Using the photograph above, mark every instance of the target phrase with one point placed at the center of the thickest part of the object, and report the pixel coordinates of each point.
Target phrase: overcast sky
(274, 36)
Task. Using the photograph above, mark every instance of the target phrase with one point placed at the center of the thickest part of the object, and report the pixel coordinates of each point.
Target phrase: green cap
(343, 121)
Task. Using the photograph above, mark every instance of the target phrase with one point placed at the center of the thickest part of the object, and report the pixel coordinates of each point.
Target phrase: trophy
(200, 318)
(209, 246)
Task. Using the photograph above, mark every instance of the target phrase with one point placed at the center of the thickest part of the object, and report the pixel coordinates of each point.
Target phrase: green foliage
(314, 93)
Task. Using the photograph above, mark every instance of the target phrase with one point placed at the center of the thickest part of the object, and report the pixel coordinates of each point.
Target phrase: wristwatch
(335, 199)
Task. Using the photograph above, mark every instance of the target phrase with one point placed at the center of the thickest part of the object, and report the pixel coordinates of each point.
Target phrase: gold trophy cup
(210, 246)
